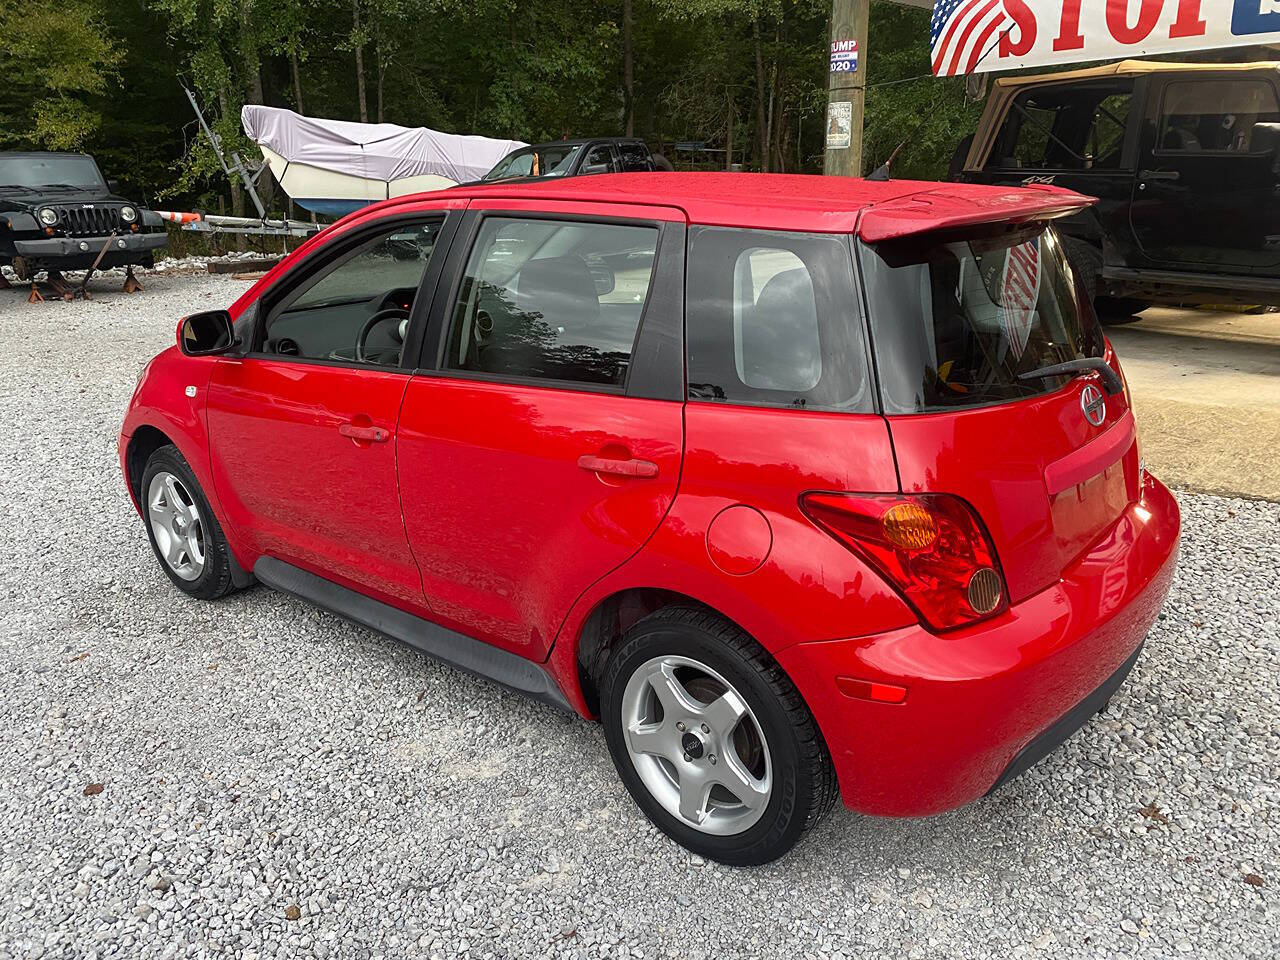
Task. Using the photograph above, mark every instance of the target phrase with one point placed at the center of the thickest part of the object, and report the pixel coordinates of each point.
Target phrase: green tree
(58, 61)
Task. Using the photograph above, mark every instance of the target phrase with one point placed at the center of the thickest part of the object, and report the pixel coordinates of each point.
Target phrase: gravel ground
(256, 778)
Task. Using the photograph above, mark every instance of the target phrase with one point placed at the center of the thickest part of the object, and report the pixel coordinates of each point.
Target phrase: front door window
(1219, 116)
(357, 309)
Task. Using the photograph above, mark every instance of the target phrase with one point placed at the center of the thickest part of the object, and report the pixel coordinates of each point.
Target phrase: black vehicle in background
(57, 213)
(576, 158)
(1184, 159)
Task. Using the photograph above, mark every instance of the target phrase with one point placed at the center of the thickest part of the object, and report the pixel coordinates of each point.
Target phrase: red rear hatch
(962, 322)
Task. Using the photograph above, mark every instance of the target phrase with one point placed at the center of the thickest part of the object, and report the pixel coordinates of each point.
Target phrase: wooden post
(846, 88)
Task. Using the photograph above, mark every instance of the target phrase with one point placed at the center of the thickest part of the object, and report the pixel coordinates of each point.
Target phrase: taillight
(931, 547)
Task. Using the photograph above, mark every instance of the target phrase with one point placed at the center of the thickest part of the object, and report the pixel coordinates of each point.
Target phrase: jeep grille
(96, 222)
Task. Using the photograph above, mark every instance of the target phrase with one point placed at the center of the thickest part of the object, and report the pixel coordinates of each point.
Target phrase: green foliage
(106, 76)
(61, 60)
(907, 105)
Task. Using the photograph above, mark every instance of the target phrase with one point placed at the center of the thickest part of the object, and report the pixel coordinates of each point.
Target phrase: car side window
(635, 157)
(552, 300)
(1106, 134)
(1219, 116)
(601, 155)
(771, 320)
(357, 308)
(1065, 128)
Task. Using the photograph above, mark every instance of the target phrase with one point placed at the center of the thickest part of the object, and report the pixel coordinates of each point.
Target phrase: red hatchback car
(799, 485)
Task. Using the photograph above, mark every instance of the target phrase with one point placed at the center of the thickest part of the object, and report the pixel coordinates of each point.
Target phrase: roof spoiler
(965, 205)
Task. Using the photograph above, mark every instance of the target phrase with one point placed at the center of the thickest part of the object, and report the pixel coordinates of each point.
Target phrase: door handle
(618, 468)
(371, 434)
(1159, 175)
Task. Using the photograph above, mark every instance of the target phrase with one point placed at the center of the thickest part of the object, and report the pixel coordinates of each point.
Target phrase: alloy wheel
(176, 525)
(697, 745)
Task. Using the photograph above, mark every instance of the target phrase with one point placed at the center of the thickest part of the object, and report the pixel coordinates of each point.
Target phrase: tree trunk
(297, 82)
(762, 133)
(628, 72)
(728, 139)
(773, 99)
(359, 44)
(382, 73)
(778, 120)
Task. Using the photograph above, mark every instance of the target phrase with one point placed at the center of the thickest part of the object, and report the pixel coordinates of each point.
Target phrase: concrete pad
(1206, 394)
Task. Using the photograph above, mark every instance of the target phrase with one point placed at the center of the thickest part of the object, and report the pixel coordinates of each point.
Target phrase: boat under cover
(336, 166)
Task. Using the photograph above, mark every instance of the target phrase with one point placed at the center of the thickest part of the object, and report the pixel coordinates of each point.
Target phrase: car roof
(879, 209)
(1134, 68)
(578, 141)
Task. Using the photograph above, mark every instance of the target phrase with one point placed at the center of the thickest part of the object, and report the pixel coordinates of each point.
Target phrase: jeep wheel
(1116, 310)
(712, 739)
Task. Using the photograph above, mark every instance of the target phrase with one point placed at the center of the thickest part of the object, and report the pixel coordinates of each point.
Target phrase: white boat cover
(373, 151)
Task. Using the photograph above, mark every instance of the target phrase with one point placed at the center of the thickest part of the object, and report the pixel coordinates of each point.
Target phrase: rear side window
(957, 324)
(771, 319)
(553, 300)
(1080, 127)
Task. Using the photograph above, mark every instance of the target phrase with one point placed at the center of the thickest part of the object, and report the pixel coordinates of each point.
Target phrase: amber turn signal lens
(909, 526)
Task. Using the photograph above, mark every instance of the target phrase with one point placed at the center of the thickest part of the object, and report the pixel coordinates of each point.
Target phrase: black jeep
(58, 213)
(576, 158)
(1184, 159)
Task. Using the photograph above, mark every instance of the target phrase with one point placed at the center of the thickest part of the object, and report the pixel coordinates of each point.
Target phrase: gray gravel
(275, 782)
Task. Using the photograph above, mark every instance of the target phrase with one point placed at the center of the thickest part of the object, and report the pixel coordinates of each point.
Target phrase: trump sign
(976, 36)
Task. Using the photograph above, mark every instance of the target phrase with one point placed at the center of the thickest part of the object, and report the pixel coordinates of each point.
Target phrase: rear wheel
(182, 529)
(712, 739)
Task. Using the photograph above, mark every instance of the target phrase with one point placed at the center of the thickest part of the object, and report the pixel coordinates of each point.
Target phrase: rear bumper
(64, 253)
(986, 702)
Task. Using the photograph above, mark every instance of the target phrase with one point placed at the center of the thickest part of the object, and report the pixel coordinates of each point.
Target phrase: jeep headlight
(128, 214)
(48, 216)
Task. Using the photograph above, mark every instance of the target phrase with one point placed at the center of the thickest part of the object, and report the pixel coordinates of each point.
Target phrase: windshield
(59, 170)
(549, 160)
(955, 324)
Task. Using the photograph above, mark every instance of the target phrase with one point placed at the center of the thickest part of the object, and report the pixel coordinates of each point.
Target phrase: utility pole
(846, 88)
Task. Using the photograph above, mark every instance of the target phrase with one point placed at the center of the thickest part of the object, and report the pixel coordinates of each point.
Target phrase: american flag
(1019, 293)
(961, 33)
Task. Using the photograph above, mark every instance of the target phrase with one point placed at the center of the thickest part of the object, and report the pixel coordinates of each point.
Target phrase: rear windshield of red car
(956, 322)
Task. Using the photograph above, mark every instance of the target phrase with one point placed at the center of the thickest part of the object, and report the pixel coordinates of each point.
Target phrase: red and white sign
(979, 36)
(1019, 290)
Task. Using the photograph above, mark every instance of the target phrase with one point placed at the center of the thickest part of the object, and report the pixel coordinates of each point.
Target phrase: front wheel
(712, 739)
(182, 529)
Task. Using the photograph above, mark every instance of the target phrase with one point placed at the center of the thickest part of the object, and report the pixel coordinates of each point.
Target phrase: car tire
(1086, 261)
(1113, 311)
(712, 739)
(184, 533)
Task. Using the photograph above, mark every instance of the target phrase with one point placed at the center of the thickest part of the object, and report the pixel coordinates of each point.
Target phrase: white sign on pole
(968, 36)
(839, 124)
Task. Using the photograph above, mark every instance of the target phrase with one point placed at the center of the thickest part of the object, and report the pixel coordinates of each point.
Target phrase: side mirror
(604, 278)
(206, 334)
(113, 186)
(590, 168)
